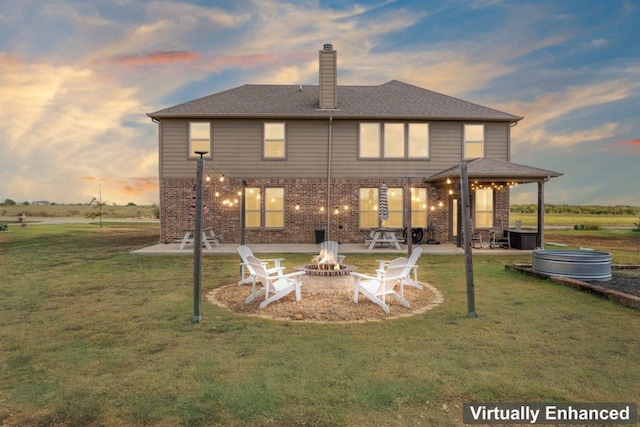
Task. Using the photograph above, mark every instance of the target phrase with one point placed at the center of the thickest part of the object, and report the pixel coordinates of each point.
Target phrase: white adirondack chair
(332, 247)
(245, 252)
(277, 286)
(377, 288)
(407, 273)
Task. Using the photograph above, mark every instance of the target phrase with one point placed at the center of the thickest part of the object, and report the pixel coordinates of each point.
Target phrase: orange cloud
(632, 144)
(153, 58)
(10, 61)
(136, 186)
(92, 179)
(129, 186)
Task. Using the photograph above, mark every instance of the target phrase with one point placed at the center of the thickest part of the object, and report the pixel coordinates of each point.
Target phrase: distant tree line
(577, 209)
(9, 202)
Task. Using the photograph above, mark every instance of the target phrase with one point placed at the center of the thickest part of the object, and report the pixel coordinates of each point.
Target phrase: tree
(9, 202)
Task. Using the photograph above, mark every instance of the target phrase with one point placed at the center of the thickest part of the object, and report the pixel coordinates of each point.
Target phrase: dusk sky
(77, 78)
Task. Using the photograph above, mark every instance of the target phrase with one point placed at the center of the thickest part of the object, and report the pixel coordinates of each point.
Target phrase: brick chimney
(328, 78)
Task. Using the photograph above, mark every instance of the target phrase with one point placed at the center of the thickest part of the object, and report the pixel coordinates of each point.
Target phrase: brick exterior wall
(300, 225)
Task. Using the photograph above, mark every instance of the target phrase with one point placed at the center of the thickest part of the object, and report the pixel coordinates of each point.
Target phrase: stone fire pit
(326, 278)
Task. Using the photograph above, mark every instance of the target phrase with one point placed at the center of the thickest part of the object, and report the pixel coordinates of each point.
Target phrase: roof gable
(393, 99)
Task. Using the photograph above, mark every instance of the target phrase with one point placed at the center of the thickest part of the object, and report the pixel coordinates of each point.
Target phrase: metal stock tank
(585, 265)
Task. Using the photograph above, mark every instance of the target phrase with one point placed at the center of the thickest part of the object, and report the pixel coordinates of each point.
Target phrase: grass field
(94, 336)
(10, 214)
(569, 220)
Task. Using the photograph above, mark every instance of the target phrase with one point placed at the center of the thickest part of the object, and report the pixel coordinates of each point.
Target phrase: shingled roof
(390, 100)
(495, 170)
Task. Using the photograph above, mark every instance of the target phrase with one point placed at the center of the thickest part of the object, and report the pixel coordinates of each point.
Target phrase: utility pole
(466, 234)
(197, 243)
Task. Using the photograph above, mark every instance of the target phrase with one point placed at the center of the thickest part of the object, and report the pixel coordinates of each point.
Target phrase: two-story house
(310, 158)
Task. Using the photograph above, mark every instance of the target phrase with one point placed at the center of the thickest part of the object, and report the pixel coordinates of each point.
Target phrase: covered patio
(497, 174)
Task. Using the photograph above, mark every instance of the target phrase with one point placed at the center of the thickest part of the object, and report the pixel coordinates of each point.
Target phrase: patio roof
(495, 170)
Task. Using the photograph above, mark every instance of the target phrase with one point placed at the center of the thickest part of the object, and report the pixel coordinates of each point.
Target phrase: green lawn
(92, 335)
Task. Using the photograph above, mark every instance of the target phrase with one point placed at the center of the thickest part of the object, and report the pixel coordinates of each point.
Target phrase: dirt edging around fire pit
(332, 308)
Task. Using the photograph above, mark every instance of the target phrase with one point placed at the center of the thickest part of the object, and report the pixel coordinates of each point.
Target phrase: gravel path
(625, 281)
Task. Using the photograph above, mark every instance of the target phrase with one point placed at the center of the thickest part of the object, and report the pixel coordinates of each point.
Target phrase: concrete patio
(311, 248)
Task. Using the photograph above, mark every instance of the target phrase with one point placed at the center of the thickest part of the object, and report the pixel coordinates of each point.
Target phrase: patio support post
(466, 238)
(409, 229)
(197, 243)
(243, 212)
(540, 236)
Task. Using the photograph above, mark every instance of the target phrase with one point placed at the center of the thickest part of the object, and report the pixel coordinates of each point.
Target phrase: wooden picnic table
(382, 236)
(208, 235)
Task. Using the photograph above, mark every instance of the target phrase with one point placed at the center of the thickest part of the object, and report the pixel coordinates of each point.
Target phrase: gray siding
(496, 137)
(237, 150)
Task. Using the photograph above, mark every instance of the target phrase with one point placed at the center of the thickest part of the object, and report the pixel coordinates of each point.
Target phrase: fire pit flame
(325, 261)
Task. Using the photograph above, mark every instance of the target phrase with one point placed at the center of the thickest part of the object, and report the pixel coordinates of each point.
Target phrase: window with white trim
(473, 141)
(199, 139)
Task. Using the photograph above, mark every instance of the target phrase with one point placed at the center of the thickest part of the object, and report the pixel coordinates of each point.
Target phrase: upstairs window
(369, 140)
(274, 141)
(473, 141)
(418, 140)
(393, 140)
(199, 139)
